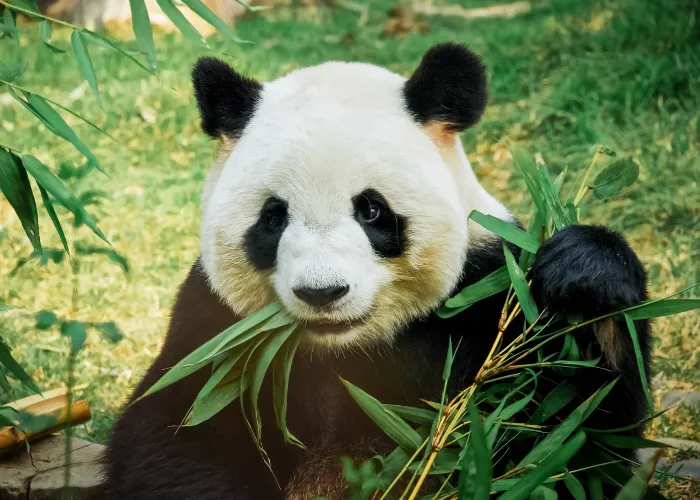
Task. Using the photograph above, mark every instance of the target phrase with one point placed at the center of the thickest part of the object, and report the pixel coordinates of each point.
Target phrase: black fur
(387, 233)
(263, 238)
(449, 86)
(226, 100)
(146, 459)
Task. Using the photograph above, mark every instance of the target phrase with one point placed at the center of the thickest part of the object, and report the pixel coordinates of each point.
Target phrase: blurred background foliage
(564, 76)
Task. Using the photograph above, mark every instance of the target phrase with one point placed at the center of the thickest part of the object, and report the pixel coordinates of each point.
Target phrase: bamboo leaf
(614, 178)
(420, 416)
(388, 421)
(550, 465)
(15, 369)
(528, 170)
(143, 30)
(281, 369)
(45, 320)
(492, 284)
(110, 331)
(262, 363)
(477, 471)
(48, 205)
(83, 57)
(637, 486)
(543, 493)
(9, 26)
(640, 361)
(14, 184)
(52, 184)
(205, 353)
(574, 486)
(215, 401)
(45, 32)
(75, 331)
(9, 72)
(506, 230)
(557, 399)
(627, 442)
(554, 439)
(104, 42)
(522, 289)
(659, 308)
(207, 15)
(560, 217)
(180, 21)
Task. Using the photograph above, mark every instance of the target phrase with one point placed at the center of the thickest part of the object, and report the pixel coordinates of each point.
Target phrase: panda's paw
(587, 270)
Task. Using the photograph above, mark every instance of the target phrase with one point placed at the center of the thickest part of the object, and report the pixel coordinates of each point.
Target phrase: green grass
(564, 78)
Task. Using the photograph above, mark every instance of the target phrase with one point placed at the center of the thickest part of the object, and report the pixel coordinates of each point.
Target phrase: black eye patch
(384, 228)
(262, 239)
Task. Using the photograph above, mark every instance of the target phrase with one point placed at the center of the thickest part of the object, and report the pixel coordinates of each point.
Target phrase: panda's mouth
(328, 327)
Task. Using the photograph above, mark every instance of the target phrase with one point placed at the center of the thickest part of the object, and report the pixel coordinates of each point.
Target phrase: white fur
(320, 136)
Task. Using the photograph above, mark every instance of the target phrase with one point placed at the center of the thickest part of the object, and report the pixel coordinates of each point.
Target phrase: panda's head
(343, 190)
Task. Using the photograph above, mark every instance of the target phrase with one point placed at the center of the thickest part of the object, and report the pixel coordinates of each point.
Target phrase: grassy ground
(563, 78)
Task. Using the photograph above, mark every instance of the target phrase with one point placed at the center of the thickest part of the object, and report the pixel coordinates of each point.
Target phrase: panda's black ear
(226, 100)
(449, 87)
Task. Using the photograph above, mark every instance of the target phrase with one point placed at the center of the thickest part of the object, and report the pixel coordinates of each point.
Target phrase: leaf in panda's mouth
(239, 357)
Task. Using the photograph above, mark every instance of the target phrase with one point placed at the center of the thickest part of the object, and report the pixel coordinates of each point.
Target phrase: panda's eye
(367, 212)
(274, 214)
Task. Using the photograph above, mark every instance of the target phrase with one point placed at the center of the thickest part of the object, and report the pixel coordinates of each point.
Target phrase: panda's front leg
(590, 271)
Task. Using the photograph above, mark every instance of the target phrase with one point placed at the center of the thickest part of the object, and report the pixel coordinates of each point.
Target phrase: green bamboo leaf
(553, 462)
(492, 284)
(506, 230)
(110, 331)
(180, 21)
(614, 178)
(143, 30)
(595, 486)
(223, 370)
(45, 320)
(574, 486)
(47, 180)
(40, 108)
(512, 409)
(522, 289)
(207, 15)
(557, 399)
(253, 8)
(420, 416)
(205, 353)
(659, 308)
(560, 217)
(281, 369)
(388, 421)
(9, 26)
(477, 470)
(215, 401)
(83, 57)
(636, 487)
(48, 205)
(528, 170)
(640, 361)
(554, 439)
(262, 363)
(15, 369)
(104, 42)
(628, 442)
(9, 72)
(75, 331)
(543, 493)
(14, 184)
(45, 32)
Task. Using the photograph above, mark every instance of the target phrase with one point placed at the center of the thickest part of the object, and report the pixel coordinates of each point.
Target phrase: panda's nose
(320, 297)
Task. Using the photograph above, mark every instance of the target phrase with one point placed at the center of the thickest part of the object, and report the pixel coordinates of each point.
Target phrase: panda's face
(334, 199)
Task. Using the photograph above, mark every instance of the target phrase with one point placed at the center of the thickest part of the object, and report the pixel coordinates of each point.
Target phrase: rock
(41, 475)
(685, 468)
(673, 398)
(681, 444)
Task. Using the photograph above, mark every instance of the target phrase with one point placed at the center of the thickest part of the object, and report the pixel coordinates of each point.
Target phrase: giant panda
(344, 191)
